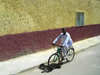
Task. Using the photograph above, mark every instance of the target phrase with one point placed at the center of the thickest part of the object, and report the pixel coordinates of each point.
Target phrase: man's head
(64, 31)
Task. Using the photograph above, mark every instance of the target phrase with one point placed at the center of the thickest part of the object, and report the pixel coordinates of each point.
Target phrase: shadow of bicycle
(46, 69)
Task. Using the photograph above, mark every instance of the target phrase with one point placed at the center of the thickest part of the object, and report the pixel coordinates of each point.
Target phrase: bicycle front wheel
(70, 54)
(53, 61)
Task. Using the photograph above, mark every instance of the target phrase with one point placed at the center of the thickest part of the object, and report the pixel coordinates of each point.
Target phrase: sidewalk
(17, 65)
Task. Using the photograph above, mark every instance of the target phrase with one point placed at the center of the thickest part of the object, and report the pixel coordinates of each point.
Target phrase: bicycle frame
(58, 52)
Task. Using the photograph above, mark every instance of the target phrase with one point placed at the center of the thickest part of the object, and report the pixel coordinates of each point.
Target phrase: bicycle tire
(53, 61)
(70, 54)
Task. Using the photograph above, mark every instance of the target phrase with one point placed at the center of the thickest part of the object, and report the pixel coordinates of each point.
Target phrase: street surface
(86, 62)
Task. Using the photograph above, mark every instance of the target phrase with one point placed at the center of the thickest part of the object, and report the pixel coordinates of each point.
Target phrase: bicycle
(56, 58)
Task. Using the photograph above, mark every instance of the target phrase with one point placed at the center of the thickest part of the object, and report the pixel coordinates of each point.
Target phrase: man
(66, 41)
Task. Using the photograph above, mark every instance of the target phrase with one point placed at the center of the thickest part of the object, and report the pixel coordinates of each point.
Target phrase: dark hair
(63, 29)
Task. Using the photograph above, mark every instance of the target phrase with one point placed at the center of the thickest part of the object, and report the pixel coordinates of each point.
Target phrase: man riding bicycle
(66, 41)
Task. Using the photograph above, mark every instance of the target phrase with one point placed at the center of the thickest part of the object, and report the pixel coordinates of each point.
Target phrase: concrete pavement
(17, 65)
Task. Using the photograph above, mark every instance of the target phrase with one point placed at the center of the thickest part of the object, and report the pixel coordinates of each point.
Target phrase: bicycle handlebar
(57, 45)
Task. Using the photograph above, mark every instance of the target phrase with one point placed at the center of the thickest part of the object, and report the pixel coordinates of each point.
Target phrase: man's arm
(57, 39)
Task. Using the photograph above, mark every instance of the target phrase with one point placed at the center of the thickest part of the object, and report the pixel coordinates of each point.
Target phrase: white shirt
(65, 39)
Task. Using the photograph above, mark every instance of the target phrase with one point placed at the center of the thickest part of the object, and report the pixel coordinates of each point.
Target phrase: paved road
(86, 62)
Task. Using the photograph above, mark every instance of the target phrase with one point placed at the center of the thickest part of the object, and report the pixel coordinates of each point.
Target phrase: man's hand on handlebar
(53, 43)
(62, 46)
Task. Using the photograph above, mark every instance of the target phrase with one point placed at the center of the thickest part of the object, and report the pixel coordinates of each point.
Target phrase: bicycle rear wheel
(70, 54)
(53, 61)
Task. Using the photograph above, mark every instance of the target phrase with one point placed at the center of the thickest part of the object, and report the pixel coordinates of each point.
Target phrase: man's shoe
(65, 57)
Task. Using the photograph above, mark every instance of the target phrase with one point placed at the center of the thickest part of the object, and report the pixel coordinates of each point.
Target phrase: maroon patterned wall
(24, 43)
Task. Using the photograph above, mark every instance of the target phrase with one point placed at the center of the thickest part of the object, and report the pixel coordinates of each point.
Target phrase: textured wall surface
(28, 26)
(18, 16)
(25, 43)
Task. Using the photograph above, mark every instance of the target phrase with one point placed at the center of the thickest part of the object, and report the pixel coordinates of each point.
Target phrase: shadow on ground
(46, 69)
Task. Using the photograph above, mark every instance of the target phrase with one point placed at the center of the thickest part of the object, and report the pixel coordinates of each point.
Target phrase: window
(80, 19)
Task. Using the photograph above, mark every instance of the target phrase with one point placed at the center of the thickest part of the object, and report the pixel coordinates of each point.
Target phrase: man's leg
(64, 50)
